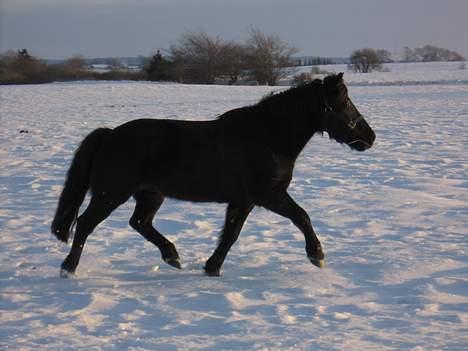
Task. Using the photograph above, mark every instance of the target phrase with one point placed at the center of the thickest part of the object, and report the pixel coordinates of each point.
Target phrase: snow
(416, 73)
(393, 222)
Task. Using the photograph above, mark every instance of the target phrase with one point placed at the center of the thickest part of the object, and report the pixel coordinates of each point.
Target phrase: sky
(58, 29)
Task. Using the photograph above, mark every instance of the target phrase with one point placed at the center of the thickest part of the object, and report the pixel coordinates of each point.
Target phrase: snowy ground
(420, 73)
(393, 222)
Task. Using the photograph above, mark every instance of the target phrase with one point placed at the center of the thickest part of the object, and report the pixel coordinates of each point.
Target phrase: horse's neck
(290, 124)
(293, 137)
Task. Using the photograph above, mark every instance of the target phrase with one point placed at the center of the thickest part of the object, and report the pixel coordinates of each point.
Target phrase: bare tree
(76, 62)
(201, 58)
(384, 56)
(198, 57)
(269, 57)
(234, 61)
(72, 69)
(430, 53)
(365, 60)
(409, 55)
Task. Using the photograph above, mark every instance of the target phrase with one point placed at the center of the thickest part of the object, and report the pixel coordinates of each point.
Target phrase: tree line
(197, 57)
(22, 68)
(200, 58)
(430, 53)
(368, 59)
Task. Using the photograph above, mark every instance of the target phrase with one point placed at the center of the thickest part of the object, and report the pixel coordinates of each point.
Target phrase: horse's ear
(333, 79)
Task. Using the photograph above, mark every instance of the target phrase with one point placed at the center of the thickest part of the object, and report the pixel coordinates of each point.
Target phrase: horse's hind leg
(235, 218)
(147, 204)
(98, 209)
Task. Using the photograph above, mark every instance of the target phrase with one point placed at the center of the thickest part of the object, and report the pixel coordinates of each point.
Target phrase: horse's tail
(76, 184)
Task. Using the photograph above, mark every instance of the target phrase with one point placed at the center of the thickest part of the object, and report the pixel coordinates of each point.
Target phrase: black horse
(244, 158)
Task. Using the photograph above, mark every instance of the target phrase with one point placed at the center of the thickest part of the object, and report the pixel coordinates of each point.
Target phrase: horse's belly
(203, 187)
(202, 167)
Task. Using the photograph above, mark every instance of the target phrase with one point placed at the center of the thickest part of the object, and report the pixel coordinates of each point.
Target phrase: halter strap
(353, 123)
(328, 108)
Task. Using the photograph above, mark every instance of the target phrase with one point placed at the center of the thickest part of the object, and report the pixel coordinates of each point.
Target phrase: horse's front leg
(284, 205)
(235, 218)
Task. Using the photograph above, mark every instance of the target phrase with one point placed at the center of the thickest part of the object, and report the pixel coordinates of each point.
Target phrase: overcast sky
(102, 28)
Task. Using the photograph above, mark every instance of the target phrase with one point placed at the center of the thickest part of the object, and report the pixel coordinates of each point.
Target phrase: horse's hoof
(212, 269)
(174, 262)
(215, 273)
(65, 274)
(320, 263)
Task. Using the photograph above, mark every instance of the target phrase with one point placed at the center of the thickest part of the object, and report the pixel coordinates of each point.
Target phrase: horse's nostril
(373, 136)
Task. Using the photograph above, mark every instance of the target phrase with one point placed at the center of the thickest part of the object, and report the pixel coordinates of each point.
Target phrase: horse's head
(342, 120)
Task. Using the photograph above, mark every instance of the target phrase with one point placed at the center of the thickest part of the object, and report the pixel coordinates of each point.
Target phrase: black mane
(303, 100)
(291, 95)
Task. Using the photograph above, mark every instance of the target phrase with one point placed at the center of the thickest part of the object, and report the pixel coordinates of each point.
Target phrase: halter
(329, 108)
(354, 122)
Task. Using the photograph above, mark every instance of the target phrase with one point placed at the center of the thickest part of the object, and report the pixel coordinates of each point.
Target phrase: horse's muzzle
(362, 145)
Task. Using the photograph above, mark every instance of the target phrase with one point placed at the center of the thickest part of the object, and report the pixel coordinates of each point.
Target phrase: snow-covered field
(420, 73)
(393, 222)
